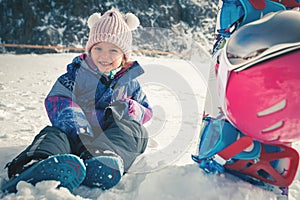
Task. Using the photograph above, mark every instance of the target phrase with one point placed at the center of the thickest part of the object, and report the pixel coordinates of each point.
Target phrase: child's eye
(98, 48)
(114, 51)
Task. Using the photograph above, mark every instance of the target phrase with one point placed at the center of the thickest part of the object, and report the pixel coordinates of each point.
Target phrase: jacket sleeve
(139, 106)
(62, 109)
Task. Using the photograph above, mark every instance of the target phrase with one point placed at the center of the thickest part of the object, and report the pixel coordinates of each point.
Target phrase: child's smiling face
(106, 56)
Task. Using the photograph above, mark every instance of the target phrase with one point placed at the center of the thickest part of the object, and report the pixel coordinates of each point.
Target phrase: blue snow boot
(68, 169)
(104, 170)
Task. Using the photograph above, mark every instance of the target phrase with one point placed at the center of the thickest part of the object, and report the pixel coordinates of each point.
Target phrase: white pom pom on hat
(112, 27)
(93, 19)
(132, 21)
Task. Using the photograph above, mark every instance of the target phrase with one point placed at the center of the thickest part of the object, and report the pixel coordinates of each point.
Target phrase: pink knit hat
(112, 27)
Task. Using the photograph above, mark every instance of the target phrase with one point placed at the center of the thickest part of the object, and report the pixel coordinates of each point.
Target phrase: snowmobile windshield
(210, 139)
(263, 39)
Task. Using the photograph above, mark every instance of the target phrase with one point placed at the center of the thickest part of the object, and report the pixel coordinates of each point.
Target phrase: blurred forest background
(64, 23)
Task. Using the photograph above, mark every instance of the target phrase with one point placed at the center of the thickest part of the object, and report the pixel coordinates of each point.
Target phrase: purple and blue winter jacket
(76, 104)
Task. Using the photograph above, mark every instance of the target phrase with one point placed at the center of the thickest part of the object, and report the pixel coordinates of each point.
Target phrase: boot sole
(102, 172)
(68, 169)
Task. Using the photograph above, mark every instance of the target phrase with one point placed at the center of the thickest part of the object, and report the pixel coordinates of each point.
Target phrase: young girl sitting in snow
(96, 109)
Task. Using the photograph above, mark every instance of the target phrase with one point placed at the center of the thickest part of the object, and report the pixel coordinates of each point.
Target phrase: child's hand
(128, 109)
(134, 108)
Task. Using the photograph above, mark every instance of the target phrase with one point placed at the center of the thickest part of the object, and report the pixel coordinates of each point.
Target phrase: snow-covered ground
(176, 89)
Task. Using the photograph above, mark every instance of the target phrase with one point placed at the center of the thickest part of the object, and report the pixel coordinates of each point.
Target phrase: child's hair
(112, 27)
